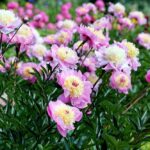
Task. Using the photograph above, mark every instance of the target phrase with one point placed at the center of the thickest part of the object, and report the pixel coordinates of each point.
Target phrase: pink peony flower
(51, 26)
(113, 57)
(120, 81)
(90, 64)
(126, 23)
(76, 88)
(144, 40)
(59, 17)
(64, 56)
(100, 5)
(81, 11)
(103, 23)
(132, 53)
(50, 39)
(137, 17)
(38, 50)
(29, 13)
(12, 5)
(26, 70)
(64, 115)
(29, 6)
(147, 76)
(67, 25)
(90, 7)
(94, 37)
(63, 37)
(87, 19)
(117, 9)
(21, 12)
(8, 21)
(24, 37)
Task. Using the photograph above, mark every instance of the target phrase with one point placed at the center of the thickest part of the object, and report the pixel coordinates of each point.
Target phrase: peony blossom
(120, 81)
(38, 50)
(137, 17)
(26, 70)
(132, 53)
(24, 37)
(64, 115)
(126, 23)
(144, 40)
(12, 5)
(113, 57)
(8, 21)
(117, 9)
(100, 5)
(94, 37)
(63, 56)
(147, 76)
(67, 25)
(63, 37)
(76, 88)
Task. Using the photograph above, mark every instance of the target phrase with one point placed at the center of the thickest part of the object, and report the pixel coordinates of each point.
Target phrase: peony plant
(86, 86)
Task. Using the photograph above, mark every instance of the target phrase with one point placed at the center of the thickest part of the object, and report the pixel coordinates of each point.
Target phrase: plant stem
(12, 38)
(136, 100)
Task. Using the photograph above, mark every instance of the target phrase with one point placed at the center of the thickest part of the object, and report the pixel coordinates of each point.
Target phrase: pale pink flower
(117, 9)
(26, 70)
(144, 40)
(67, 25)
(63, 56)
(113, 57)
(64, 115)
(24, 37)
(76, 88)
(126, 23)
(63, 37)
(120, 81)
(95, 38)
(38, 50)
(103, 23)
(8, 21)
(137, 17)
(132, 54)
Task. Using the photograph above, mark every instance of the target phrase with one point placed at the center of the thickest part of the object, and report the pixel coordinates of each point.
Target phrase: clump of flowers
(75, 68)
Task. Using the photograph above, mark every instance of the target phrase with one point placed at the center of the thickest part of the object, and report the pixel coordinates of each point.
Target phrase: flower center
(40, 50)
(27, 72)
(122, 81)
(24, 31)
(74, 85)
(66, 114)
(115, 55)
(134, 21)
(65, 53)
